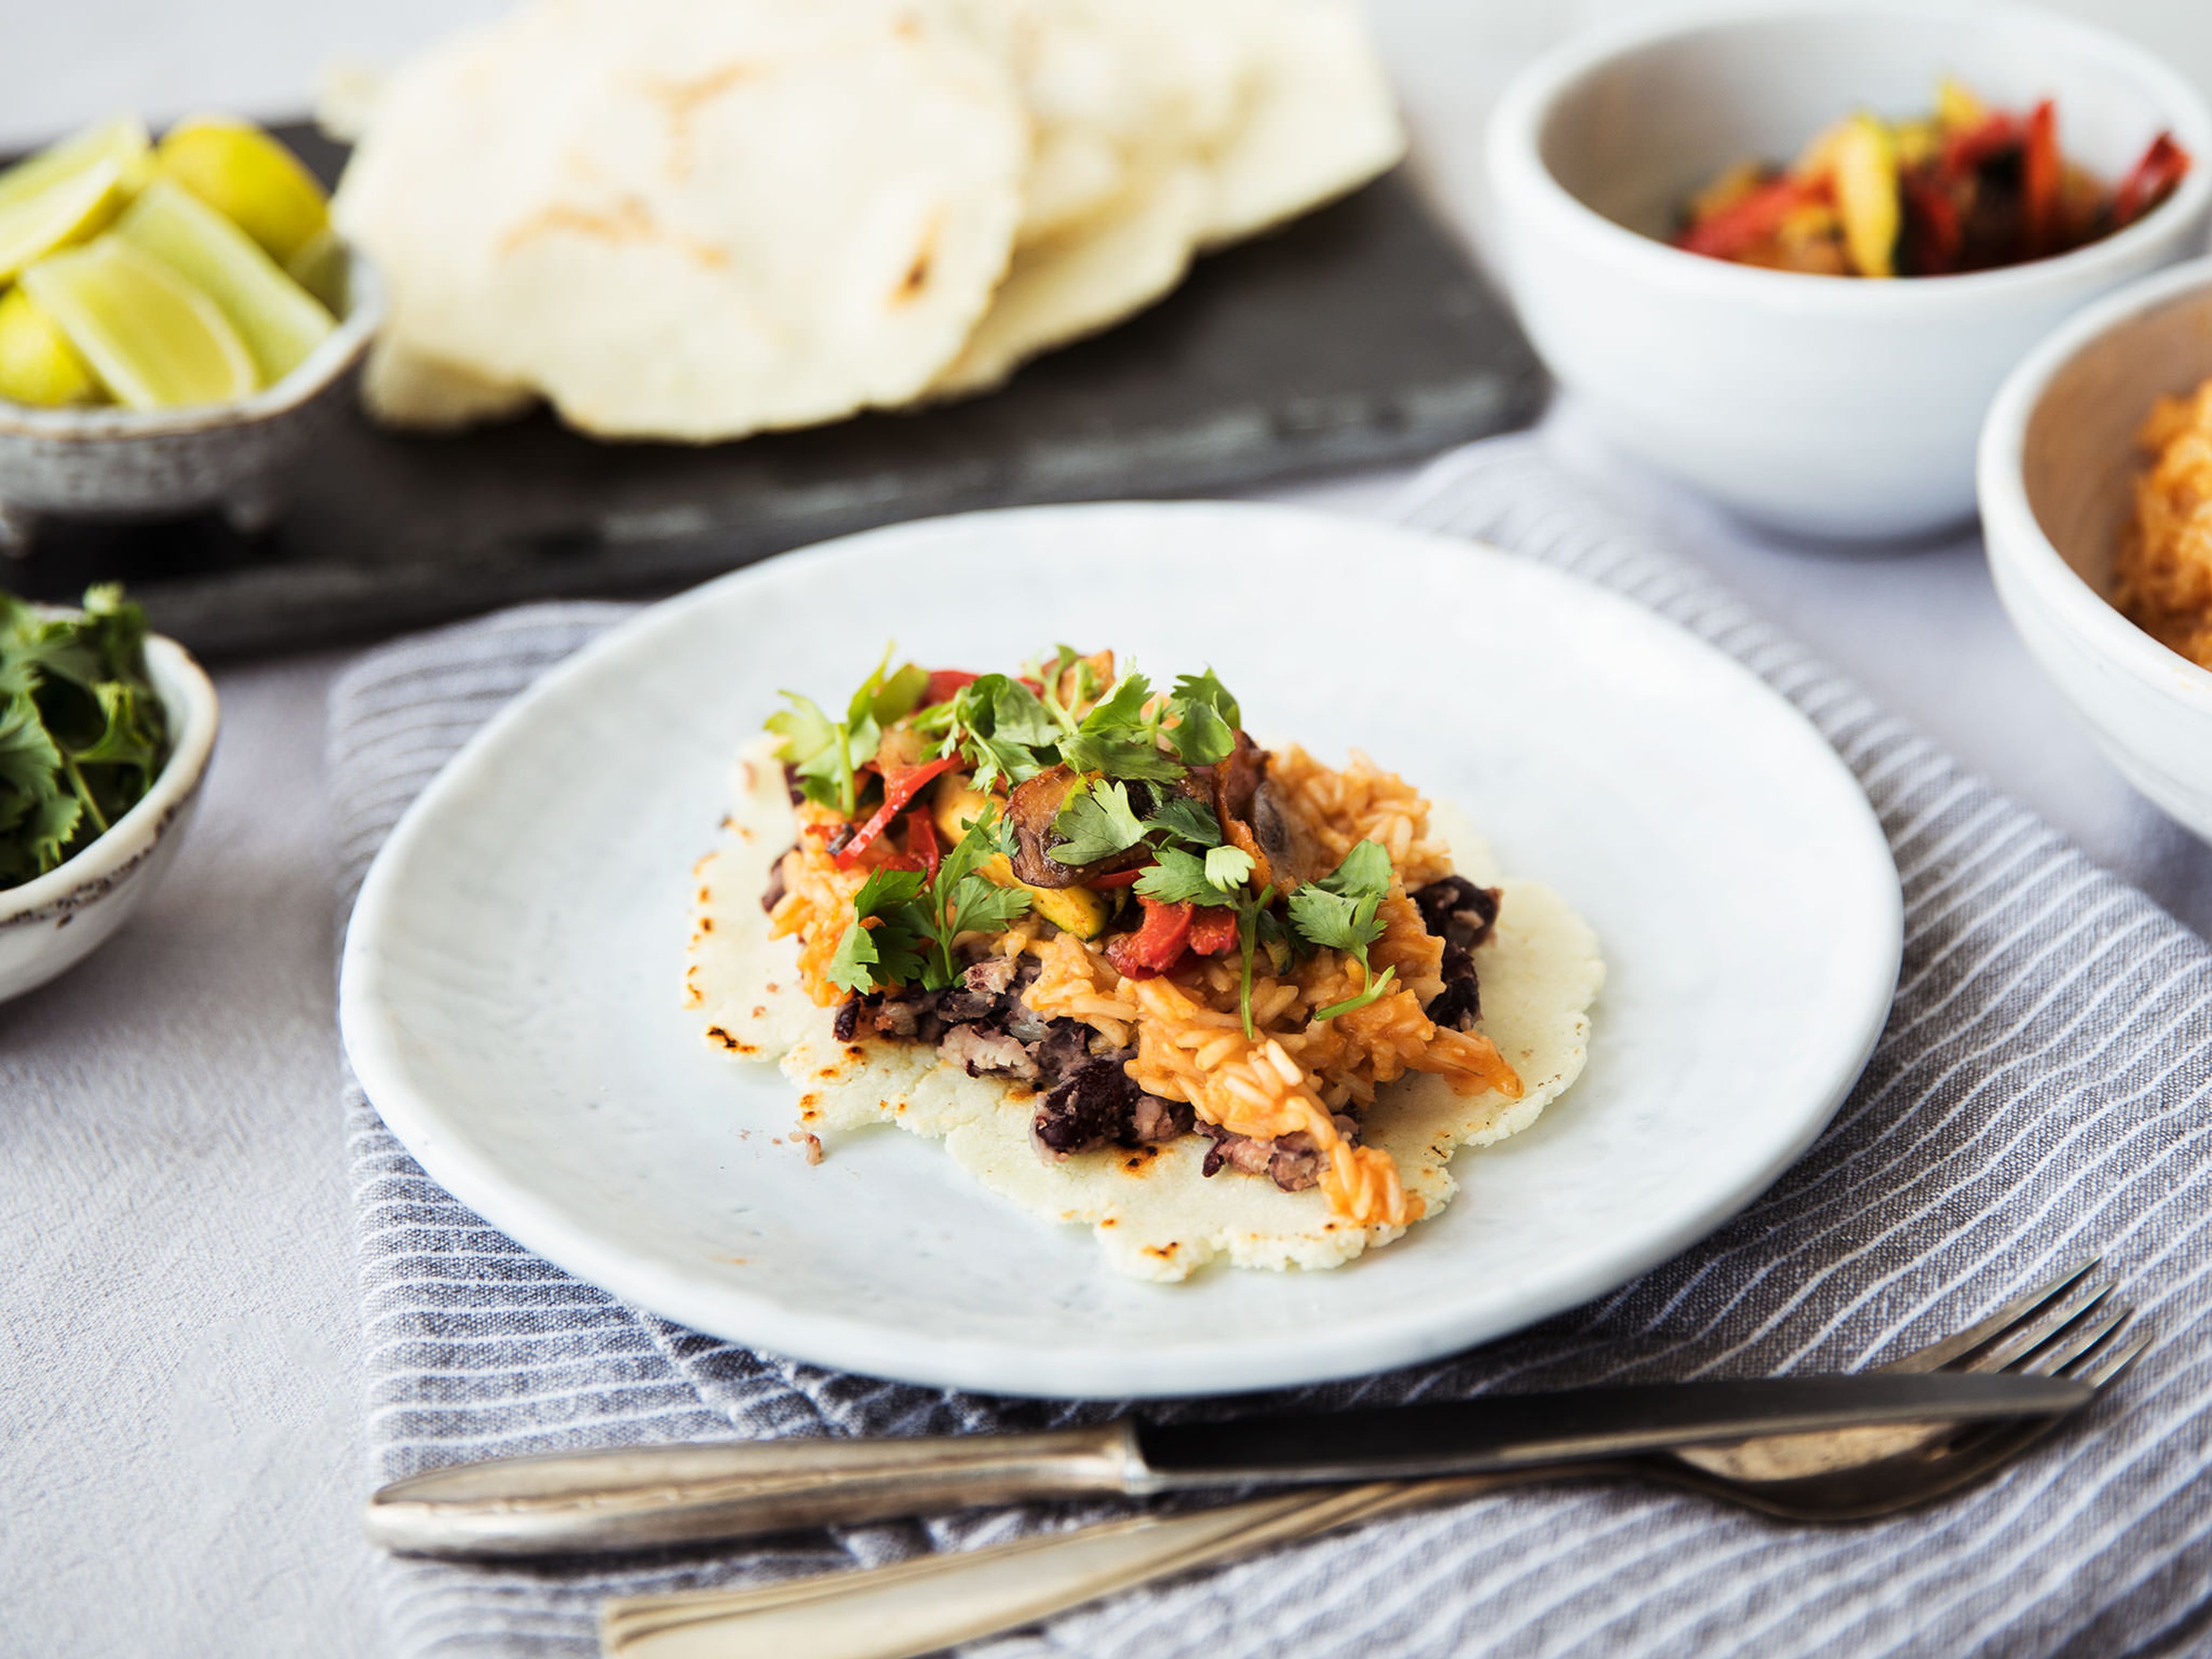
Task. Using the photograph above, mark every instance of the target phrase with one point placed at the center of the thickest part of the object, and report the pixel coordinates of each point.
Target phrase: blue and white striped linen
(2043, 1092)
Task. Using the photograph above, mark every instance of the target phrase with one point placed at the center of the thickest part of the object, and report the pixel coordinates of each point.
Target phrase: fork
(2072, 1325)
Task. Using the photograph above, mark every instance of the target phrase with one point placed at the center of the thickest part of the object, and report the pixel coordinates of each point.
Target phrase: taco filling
(1135, 970)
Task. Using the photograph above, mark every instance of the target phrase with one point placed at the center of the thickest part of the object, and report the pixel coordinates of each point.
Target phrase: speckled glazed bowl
(53, 923)
(109, 463)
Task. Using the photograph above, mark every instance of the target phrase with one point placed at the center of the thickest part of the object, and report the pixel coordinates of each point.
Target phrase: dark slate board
(1358, 336)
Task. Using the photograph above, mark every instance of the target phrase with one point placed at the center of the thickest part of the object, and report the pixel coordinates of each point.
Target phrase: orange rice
(2162, 580)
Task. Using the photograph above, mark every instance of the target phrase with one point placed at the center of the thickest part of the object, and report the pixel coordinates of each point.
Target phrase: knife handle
(939, 1602)
(655, 1496)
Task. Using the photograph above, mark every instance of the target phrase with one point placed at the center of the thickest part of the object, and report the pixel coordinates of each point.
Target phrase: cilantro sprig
(1096, 821)
(1003, 730)
(1337, 913)
(83, 735)
(1007, 731)
(883, 944)
(826, 754)
(1121, 739)
(904, 921)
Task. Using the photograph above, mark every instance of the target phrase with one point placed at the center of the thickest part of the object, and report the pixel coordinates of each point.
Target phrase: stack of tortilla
(695, 219)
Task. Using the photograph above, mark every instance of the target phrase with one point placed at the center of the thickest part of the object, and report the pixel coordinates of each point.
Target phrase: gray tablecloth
(2040, 1094)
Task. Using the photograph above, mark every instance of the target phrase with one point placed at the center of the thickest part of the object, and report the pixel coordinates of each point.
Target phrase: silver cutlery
(2070, 1327)
(664, 1495)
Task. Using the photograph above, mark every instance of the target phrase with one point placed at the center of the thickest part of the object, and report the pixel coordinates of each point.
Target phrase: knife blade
(653, 1496)
(1505, 1431)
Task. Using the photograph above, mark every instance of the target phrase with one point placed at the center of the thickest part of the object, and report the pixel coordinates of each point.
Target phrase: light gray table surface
(178, 1355)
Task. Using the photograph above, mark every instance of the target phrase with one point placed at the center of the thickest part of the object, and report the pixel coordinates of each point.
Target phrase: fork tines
(2069, 1325)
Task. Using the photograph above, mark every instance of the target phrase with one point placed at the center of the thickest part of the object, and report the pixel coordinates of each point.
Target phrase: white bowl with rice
(1829, 407)
(2058, 464)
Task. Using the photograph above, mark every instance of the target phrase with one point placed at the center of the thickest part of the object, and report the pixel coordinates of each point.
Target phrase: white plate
(510, 997)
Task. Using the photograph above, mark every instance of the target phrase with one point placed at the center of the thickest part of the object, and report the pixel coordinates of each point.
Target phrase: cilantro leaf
(888, 953)
(1203, 737)
(1364, 872)
(1193, 691)
(1117, 739)
(1185, 819)
(1338, 911)
(887, 889)
(900, 695)
(827, 777)
(82, 732)
(862, 704)
(1095, 822)
(30, 765)
(826, 753)
(1180, 878)
(805, 729)
(997, 725)
(1123, 706)
(1121, 755)
(1017, 714)
(51, 826)
(982, 907)
(1229, 866)
(124, 739)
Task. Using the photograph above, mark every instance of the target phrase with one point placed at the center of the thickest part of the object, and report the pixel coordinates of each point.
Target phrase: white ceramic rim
(375, 1050)
(1518, 168)
(2012, 536)
(338, 352)
(193, 720)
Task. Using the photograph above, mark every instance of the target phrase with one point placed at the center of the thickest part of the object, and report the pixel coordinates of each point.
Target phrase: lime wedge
(74, 207)
(37, 363)
(280, 321)
(122, 140)
(321, 267)
(155, 340)
(249, 178)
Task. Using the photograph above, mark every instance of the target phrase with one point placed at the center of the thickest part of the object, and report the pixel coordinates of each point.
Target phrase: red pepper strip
(2163, 165)
(921, 841)
(1119, 879)
(901, 785)
(1213, 930)
(1725, 234)
(1155, 947)
(1963, 152)
(943, 682)
(2040, 168)
(1934, 235)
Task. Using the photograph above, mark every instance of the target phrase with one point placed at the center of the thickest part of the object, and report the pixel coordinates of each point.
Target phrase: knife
(649, 1497)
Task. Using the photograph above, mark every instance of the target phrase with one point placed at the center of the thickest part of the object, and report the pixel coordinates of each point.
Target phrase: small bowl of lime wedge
(177, 325)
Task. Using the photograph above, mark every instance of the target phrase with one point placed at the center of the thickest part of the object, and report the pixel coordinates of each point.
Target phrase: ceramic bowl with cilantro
(1211, 998)
(105, 735)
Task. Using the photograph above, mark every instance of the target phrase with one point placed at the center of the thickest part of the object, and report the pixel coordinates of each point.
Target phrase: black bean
(1458, 912)
(772, 894)
(1086, 1109)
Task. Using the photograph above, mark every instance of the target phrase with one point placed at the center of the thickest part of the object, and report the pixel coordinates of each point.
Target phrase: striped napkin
(2044, 1092)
